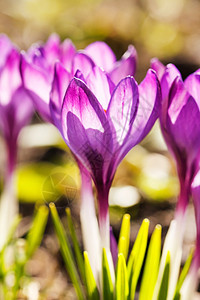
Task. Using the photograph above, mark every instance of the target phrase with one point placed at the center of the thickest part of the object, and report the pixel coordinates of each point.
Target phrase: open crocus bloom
(38, 69)
(16, 110)
(101, 122)
(179, 119)
(38, 66)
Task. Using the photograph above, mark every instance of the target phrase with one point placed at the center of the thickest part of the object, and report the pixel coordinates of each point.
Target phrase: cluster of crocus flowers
(99, 109)
(16, 110)
(102, 113)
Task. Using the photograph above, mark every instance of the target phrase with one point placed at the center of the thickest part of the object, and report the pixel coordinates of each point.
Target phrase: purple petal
(67, 53)
(5, 47)
(126, 66)
(183, 120)
(102, 55)
(146, 114)
(59, 86)
(39, 85)
(157, 66)
(16, 114)
(10, 78)
(149, 107)
(171, 72)
(85, 127)
(192, 84)
(101, 86)
(82, 63)
(122, 109)
(52, 49)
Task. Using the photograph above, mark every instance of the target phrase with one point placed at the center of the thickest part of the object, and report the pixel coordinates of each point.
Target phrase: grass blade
(92, 290)
(183, 275)
(124, 237)
(107, 281)
(122, 288)
(137, 257)
(66, 252)
(151, 265)
(165, 280)
(77, 250)
(37, 230)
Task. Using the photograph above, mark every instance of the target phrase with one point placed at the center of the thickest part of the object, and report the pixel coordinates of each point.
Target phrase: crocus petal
(171, 72)
(59, 86)
(102, 55)
(192, 84)
(147, 112)
(82, 63)
(122, 109)
(183, 119)
(67, 53)
(16, 114)
(5, 47)
(126, 66)
(9, 77)
(101, 86)
(52, 49)
(148, 109)
(157, 66)
(85, 127)
(38, 85)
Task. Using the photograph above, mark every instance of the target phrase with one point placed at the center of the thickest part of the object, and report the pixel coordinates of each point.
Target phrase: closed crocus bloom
(16, 110)
(179, 119)
(101, 122)
(179, 123)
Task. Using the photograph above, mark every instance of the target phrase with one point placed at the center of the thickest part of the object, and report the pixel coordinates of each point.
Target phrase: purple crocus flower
(179, 123)
(37, 71)
(101, 122)
(16, 110)
(179, 119)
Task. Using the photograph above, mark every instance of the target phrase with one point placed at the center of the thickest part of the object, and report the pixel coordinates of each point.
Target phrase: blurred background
(145, 184)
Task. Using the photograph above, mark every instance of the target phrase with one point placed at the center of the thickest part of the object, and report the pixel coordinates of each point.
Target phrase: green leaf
(36, 232)
(121, 287)
(66, 252)
(107, 281)
(136, 257)
(162, 295)
(124, 237)
(183, 274)
(77, 250)
(151, 265)
(92, 290)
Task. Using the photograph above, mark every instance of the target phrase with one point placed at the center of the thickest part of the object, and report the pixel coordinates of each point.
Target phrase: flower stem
(89, 223)
(104, 221)
(8, 204)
